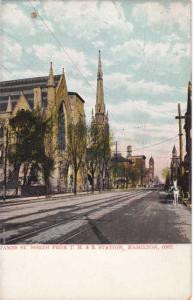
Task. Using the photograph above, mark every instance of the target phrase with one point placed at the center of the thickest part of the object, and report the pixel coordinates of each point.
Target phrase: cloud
(173, 52)
(132, 86)
(98, 44)
(71, 59)
(166, 110)
(8, 48)
(172, 15)
(87, 19)
(13, 16)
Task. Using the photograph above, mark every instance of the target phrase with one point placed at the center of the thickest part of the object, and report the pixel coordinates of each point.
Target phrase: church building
(50, 95)
(101, 122)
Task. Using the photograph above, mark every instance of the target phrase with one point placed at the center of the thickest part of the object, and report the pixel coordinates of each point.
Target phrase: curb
(187, 203)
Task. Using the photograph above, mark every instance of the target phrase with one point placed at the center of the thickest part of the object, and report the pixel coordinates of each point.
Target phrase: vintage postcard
(95, 149)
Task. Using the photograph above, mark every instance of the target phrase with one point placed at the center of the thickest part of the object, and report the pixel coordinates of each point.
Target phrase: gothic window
(61, 129)
(1, 131)
(1, 154)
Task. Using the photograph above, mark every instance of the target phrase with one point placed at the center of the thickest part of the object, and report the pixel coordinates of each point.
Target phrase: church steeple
(51, 91)
(174, 151)
(100, 106)
(51, 77)
(100, 72)
(9, 106)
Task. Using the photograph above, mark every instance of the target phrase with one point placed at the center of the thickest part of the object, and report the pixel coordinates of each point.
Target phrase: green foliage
(98, 152)
(165, 173)
(76, 146)
(29, 131)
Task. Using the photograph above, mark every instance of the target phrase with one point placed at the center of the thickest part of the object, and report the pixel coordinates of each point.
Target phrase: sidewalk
(186, 202)
(55, 196)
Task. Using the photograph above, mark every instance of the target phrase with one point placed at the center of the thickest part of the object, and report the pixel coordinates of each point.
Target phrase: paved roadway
(116, 217)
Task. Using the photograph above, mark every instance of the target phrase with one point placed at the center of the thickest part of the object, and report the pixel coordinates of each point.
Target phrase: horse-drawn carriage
(169, 195)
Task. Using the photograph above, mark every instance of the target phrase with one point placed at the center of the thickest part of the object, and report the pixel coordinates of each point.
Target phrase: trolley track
(98, 201)
(81, 216)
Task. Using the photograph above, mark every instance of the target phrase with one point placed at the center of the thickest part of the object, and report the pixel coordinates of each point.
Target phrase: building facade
(174, 165)
(187, 177)
(149, 173)
(50, 96)
(131, 171)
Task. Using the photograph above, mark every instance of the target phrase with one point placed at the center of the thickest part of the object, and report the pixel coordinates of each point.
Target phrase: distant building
(138, 169)
(132, 171)
(174, 165)
(120, 171)
(149, 175)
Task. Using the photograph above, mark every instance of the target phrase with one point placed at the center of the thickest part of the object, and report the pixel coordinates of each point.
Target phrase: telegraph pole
(5, 163)
(179, 117)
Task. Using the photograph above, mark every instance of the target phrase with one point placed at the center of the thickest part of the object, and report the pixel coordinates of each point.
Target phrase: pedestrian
(175, 192)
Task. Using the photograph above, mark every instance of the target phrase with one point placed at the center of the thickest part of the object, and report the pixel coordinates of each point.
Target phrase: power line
(153, 145)
(5, 68)
(59, 43)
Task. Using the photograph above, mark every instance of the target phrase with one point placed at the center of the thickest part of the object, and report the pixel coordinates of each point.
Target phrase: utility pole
(179, 117)
(5, 162)
(116, 148)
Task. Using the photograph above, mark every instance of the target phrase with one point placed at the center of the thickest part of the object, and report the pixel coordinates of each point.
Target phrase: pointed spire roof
(9, 105)
(22, 103)
(51, 77)
(62, 83)
(100, 72)
(151, 159)
(100, 106)
(174, 151)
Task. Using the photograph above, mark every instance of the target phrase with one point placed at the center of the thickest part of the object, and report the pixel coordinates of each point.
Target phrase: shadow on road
(166, 202)
(97, 232)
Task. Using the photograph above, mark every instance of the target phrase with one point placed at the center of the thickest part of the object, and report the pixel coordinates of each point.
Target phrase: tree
(29, 131)
(76, 147)
(94, 142)
(166, 176)
(104, 155)
(165, 173)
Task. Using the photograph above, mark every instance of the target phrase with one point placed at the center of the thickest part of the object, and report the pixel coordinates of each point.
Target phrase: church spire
(51, 91)
(100, 72)
(9, 105)
(100, 106)
(174, 151)
(51, 77)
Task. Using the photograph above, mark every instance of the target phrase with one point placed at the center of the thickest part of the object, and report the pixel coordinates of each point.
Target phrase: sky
(146, 57)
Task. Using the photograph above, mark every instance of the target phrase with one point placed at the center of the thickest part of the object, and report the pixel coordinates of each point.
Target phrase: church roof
(119, 158)
(139, 156)
(13, 88)
(174, 151)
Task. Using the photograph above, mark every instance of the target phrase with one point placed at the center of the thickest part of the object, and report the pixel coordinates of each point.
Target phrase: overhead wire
(59, 43)
(7, 70)
(69, 57)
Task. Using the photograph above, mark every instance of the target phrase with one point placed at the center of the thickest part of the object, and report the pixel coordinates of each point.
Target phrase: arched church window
(61, 129)
(1, 130)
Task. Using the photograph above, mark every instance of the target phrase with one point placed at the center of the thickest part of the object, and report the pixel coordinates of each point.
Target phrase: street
(115, 217)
